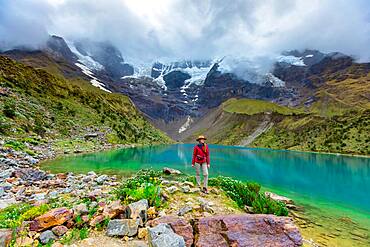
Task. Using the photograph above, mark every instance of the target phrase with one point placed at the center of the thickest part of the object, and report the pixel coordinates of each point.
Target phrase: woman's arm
(194, 155)
(207, 157)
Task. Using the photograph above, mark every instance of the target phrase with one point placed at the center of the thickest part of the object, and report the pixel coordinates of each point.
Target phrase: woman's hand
(192, 165)
(208, 165)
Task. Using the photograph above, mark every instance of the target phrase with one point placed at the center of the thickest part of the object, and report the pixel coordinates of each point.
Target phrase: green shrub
(249, 194)
(9, 109)
(16, 145)
(84, 233)
(4, 125)
(144, 185)
(265, 205)
(9, 217)
(34, 212)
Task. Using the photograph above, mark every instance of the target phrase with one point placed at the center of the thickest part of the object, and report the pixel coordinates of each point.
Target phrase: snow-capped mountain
(174, 94)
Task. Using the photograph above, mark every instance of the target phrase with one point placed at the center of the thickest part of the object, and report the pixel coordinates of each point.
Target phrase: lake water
(335, 184)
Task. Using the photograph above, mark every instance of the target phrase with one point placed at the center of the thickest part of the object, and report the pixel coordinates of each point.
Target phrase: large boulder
(138, 210)
(179, 225)
(162, 235)
(247, 230)
(122, 227)
(54, 217)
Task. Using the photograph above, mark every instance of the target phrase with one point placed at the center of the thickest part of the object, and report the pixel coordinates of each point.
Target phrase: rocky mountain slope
(37, 106)
(259, 123)
(177, 96)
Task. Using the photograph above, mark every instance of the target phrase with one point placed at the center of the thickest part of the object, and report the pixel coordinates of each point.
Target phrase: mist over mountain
(145, 31)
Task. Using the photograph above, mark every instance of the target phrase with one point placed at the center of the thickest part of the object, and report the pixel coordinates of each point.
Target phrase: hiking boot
(205, 190)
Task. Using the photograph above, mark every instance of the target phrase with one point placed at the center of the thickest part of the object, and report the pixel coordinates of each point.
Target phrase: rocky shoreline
(64, 203)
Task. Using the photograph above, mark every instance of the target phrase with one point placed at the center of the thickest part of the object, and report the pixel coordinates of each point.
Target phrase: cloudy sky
(183, 29)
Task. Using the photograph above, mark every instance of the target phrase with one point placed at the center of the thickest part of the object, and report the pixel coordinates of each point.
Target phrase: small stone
(96, 220)
(164, 195)
(142, 233)
(162, 235)
(101, 179)
(195, 190)
(184, 210)
(113, 209)
(81, 209)
(91, 173)
(279, 198)
(53, 194)
(165, 182)
(185, 189)
(47, 236)
(248, 209)
(24, 241)
(87, 179)
(189, 183)
(85, 218)
(122, 227)
(171, 171)
(151, 212)
(56, 244)
(59, 230)
(172, 189)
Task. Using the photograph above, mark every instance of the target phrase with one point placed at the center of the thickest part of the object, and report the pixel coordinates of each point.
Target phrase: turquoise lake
(333, 179)
(333, 190)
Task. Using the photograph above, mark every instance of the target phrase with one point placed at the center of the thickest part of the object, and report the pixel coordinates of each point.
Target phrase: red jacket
(200, 155)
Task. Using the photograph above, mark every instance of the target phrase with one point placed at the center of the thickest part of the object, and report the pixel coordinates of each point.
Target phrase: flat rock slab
(179, 225)
(247, 230)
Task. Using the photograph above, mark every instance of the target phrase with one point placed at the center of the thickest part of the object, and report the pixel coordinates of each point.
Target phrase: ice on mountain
(88, 61)
(276, 82)
(94, 81)
(186, 125)
(297, 61)
(159, 80)
(309, 55)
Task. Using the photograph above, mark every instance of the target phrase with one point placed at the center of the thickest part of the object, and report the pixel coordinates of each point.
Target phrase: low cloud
(191, 29)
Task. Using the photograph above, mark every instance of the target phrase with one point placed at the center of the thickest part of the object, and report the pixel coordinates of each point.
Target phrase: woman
(201, 161)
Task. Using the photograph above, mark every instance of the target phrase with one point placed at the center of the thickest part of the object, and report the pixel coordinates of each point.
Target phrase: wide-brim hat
(201, 137)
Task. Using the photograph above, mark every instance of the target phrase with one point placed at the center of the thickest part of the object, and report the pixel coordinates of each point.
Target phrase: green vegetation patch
(253, 106)
(248, 194)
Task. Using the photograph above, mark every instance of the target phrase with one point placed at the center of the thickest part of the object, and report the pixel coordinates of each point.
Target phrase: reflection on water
(337, 179)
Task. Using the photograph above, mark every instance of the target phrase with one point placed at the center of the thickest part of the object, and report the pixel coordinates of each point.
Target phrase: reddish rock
(54, 217)
(70, 223)
(85, 218)
(5, 236)
(247, 230)
(61, 176)
(179, 226)
(96, 220)
(59, 230)
(113, 209)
